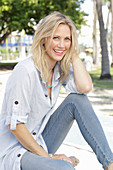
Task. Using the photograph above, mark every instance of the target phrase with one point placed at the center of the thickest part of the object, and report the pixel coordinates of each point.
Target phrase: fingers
(74, 160)
(62, 157)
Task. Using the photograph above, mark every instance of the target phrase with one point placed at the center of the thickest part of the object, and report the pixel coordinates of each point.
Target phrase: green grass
(102, 84)
(110, 114)
(7, 66)
(3, 64)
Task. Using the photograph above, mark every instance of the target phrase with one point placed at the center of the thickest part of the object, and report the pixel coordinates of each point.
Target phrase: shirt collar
(56, 72)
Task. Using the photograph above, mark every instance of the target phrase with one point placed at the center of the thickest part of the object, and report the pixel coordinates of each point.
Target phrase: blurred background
(93, 20)
(94, 24)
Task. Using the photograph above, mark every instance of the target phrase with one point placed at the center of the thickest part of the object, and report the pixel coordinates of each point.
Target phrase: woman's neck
(51, 64)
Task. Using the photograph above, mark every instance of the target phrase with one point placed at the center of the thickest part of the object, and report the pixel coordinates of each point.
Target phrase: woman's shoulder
(26, 64)
(24, 70)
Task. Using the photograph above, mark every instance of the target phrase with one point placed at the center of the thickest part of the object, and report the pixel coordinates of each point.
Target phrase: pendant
(48, 85)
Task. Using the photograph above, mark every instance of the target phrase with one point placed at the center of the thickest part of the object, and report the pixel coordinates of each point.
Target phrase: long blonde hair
(45, 29)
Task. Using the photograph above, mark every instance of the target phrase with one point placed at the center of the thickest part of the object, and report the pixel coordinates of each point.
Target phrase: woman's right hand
(72, 159)
(62, 157)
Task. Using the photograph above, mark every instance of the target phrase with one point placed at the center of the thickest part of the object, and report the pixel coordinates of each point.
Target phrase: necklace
(48, 85)
(51, 71)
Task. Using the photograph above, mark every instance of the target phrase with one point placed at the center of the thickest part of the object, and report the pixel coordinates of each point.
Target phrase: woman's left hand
(82, 78)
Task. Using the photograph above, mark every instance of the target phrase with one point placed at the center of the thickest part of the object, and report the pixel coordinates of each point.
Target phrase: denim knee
(79, 98)
(66, 165)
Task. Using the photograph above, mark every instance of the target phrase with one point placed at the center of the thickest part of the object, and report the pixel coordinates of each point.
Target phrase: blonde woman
(31, 130)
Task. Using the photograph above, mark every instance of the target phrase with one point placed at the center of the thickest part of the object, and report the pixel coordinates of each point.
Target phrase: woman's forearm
(27, 140)
(82, 78)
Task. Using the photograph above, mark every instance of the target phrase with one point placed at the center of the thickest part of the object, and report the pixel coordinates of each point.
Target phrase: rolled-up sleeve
(17, 97)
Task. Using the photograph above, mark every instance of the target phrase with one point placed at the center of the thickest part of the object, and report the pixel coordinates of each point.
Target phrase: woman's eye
(67, 38)
(55, 38)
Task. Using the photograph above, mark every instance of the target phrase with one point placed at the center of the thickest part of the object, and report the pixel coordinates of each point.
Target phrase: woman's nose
(61, 44)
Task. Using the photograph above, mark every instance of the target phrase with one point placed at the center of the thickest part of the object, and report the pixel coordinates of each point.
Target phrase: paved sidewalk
(88, 160)
(102, 102)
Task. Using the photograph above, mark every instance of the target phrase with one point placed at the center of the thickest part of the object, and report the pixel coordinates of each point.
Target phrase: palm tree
(95, 54)
(111, 2)
(105, 73)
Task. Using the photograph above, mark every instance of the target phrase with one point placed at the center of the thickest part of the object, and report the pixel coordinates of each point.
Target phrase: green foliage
(14, 15)
(69, 7)
(25, 14)
(102, 84)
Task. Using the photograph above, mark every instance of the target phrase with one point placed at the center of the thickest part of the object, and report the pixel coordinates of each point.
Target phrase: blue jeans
(74, 107)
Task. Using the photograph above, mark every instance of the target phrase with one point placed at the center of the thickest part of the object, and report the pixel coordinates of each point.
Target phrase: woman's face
(60, 43)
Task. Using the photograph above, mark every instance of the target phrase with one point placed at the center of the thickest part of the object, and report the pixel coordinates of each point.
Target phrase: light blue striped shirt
(26, 100)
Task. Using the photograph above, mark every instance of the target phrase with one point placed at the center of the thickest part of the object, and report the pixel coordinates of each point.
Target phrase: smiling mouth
(59, 52)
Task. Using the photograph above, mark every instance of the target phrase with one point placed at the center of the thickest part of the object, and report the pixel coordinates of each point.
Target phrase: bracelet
(50, 155)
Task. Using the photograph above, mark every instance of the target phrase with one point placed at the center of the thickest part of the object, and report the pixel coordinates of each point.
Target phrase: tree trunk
(3, 38)
(111, 31)
(105, 73)
(107, 24)
(95, 54)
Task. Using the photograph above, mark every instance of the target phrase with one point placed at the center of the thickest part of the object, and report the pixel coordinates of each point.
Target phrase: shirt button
(16, 102)
(19, 155)
(34, 133)
(46, 95)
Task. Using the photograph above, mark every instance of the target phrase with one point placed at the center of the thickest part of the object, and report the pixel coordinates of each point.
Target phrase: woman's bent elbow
(86, 89)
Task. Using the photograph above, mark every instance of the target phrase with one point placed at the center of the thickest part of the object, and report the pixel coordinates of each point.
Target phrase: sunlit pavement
(87, 160)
